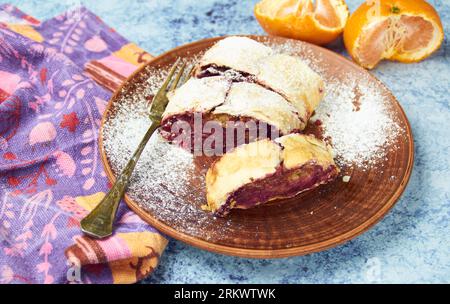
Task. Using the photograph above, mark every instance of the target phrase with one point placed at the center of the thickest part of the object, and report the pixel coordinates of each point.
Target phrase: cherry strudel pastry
(266, 170)
(217, 99)
(244, 59)
(241, 80)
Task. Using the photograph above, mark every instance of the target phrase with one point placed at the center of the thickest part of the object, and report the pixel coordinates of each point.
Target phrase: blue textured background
(411, 244)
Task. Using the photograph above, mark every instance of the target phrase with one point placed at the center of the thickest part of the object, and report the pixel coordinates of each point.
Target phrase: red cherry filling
(284, 183)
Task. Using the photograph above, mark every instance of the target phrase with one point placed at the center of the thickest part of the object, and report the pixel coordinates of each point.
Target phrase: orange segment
(402, 30)
(319, 22)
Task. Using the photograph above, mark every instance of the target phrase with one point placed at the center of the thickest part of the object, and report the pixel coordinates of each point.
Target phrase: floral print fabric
(55, 79)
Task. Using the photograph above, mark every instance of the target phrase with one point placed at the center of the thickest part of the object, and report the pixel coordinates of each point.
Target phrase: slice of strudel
(213, 103)
(265, 170)
(242, 82)
(243, 59)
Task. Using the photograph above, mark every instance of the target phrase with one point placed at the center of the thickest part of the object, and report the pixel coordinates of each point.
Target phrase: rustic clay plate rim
(250, 252)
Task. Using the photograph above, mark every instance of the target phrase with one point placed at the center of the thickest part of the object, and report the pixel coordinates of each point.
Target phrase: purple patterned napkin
(51, 175)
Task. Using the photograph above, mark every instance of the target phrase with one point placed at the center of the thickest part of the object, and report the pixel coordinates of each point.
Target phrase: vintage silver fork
(99, 222)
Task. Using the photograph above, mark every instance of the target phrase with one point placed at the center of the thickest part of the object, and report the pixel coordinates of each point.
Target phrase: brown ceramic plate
(311, 222)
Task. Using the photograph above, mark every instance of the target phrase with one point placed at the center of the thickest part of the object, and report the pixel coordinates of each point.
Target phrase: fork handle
(99, 222)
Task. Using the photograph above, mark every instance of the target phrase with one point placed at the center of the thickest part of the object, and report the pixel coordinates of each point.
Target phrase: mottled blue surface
(411, 244)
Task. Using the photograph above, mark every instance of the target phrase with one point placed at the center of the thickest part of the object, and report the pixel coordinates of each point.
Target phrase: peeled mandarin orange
(320, 22)
(401, 30)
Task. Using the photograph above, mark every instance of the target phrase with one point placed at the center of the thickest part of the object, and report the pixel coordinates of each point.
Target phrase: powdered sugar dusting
(160, 163)
(355, 114)
(356, 117)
